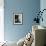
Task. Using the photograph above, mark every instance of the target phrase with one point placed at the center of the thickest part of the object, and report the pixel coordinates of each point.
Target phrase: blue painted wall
(28, 8)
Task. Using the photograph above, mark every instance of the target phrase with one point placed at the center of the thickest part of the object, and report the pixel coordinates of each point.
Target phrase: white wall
(1, 20)
(1, 3)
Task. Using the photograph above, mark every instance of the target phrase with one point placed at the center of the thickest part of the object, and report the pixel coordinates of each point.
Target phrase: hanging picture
(18, 18)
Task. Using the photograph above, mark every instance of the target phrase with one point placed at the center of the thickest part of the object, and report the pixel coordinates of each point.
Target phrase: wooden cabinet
(39, 36)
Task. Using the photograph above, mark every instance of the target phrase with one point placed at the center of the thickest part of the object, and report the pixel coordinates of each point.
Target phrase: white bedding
(9, 44)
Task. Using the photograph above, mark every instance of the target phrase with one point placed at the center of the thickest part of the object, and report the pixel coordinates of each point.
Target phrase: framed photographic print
(18, 18)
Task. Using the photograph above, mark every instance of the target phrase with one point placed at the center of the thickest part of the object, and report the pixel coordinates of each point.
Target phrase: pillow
(21, 42)
(28, 39)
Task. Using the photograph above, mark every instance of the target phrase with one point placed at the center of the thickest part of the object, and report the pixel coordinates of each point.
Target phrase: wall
(43, 6)
(28, 8)
(1, 20)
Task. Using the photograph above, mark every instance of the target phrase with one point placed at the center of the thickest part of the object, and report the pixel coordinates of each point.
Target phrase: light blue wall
(28, 8)
(43, 6)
